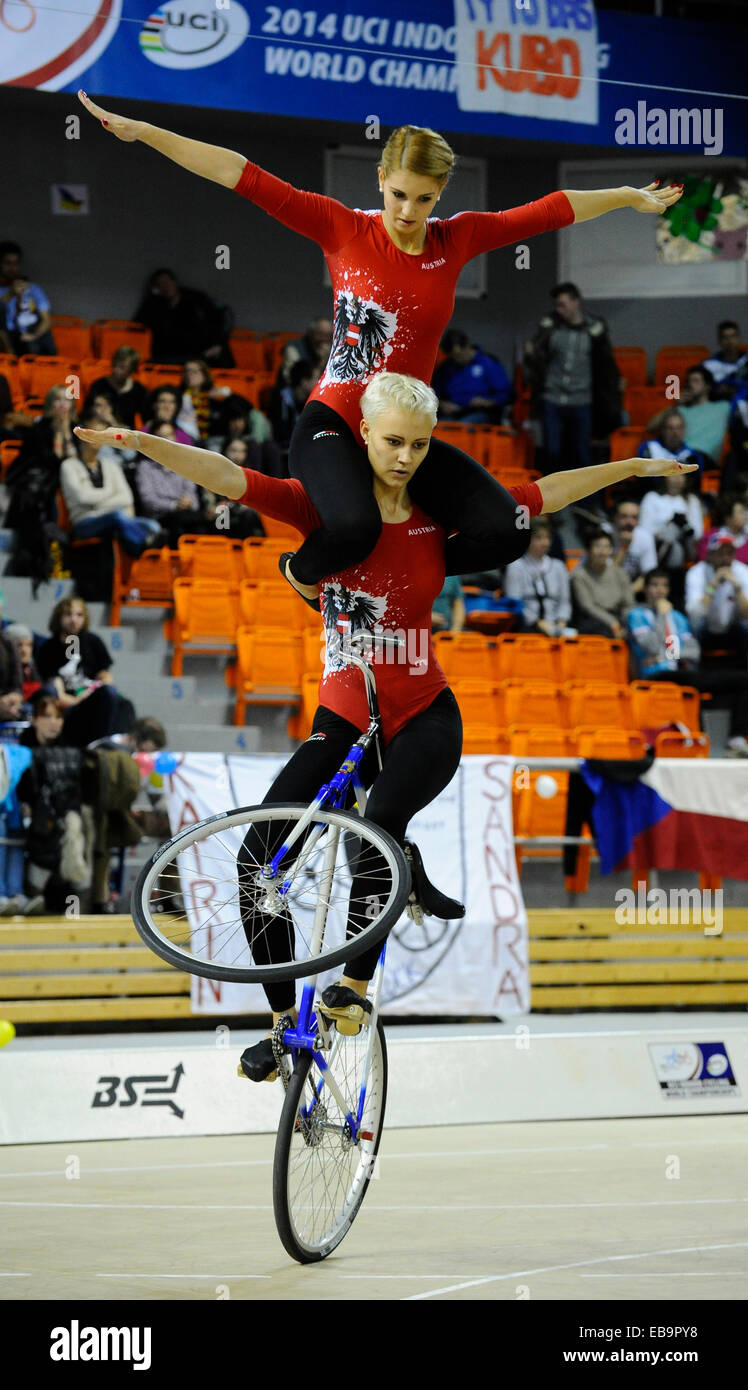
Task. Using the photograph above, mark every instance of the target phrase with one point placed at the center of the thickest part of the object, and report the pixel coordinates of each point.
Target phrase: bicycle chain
(279, 1051)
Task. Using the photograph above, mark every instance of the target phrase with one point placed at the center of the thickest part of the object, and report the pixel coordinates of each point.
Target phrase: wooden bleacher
(97, 970)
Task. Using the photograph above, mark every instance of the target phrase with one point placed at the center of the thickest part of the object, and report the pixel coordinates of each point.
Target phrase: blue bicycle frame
(305, 1035)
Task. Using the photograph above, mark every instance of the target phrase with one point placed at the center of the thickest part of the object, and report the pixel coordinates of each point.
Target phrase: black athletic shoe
(282, 562)
(346, 1007)
(258, 1063)
(425, 895)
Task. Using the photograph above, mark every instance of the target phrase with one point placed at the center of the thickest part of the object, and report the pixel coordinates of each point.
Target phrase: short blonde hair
(392, 390)
(420, 151)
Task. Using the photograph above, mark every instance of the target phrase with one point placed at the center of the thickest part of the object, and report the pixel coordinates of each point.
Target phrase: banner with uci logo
(538, 69)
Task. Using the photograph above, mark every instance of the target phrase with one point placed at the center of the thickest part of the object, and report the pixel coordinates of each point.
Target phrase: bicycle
(335, 1083)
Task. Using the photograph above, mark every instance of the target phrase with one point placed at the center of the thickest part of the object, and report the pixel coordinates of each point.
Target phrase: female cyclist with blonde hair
(394, 275)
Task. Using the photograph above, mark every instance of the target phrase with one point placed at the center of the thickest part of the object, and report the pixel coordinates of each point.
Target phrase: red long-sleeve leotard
(390, 308)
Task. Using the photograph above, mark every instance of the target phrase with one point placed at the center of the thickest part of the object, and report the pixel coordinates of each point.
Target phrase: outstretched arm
(588, 203)
(209, 161)
(202, 466)
(560, 489)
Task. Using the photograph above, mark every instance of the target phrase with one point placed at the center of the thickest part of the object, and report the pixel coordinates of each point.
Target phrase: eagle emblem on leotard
(360, 344)
(363, 611)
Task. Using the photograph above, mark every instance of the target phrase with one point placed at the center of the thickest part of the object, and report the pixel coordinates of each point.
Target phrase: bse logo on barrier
(155, 1093)
(528, 58)
(193, 33)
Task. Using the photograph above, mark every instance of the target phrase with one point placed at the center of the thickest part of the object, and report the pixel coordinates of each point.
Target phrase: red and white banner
(478, 965)
(528, 58)
(49, 46)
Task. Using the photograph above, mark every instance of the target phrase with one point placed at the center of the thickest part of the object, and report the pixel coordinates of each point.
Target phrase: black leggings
(449, 486)
(418, 763)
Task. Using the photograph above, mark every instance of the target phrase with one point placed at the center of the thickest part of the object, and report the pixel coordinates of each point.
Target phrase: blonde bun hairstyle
(420, 151)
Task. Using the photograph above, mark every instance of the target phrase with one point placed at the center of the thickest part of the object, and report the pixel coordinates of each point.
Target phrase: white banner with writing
(477, 965)
(528, 58)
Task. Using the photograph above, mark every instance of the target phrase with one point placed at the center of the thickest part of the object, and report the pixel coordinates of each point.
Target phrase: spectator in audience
(313, 348)
(126, 396)
(254, 428)
(184, 323)
(674, 518)
(471, 385)
(730, 514)
(32, 482)
(51, 789)
(729, 365)
(13, 899)
(706, 420)
(574, 379)
(665, 649)
(229, 518)
(717, 597)
(99, 499)
(173, 502)
(737, 462)
(24, 307)
(13, 423)
(601, 591)
(23, 644)
(633, 546)
(162, 412)
(448, 611)
(11, 682)
(287, 402)
(203, 409)
(668, 440)
(541, 583)
(75, 664)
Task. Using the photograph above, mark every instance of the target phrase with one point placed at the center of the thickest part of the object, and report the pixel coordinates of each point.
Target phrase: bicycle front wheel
(320, 1174)
(208, 902)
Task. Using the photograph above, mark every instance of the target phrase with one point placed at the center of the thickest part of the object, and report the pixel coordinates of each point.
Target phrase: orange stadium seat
(143, 583)
(269, 604)
(675, 359)
(269, 663)
(280, 529)
(39, 374)
(532, 702)
(248, 349)
(72, 336)
(206, 616)
(465, 655)
(671, 743)
(536, 815)
(594, 742)
(711, 480)
(642, 402)
(525, 656)
(9, 369)
(632, 365)
(273, 345)
(300, 723)
(624, 443)
(539, 741)
(155, 374)
(261, 555)
(594, 659)
(210, 557)
(598, 704)
(91, 369)
(479, 701)
(314, 650)
(109, 334)
(659, 703)
(483, 738)
(573, 557)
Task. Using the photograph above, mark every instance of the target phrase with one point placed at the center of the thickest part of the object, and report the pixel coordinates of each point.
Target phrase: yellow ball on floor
(7, 1031)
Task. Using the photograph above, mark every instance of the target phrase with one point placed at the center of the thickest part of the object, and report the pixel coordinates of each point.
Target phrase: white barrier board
(167, 1090)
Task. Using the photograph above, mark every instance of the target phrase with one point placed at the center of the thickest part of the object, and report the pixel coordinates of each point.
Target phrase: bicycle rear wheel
(320, 1176)
(205, 894)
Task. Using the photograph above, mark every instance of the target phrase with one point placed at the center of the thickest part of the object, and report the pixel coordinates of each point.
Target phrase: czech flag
(682, 813)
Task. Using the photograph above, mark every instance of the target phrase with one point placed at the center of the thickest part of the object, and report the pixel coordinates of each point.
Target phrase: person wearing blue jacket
(471, 385)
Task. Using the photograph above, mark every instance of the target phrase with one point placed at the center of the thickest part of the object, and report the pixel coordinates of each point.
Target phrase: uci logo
(193, 33)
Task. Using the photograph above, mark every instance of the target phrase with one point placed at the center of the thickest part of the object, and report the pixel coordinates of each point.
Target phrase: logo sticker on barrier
(108, 1091)
(693, 1069)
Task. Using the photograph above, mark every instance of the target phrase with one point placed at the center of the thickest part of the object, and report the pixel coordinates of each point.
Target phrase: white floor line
(577, 1264)
(376, 1207)
(182, 1276)
(675, 1274)
(434, 1153)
